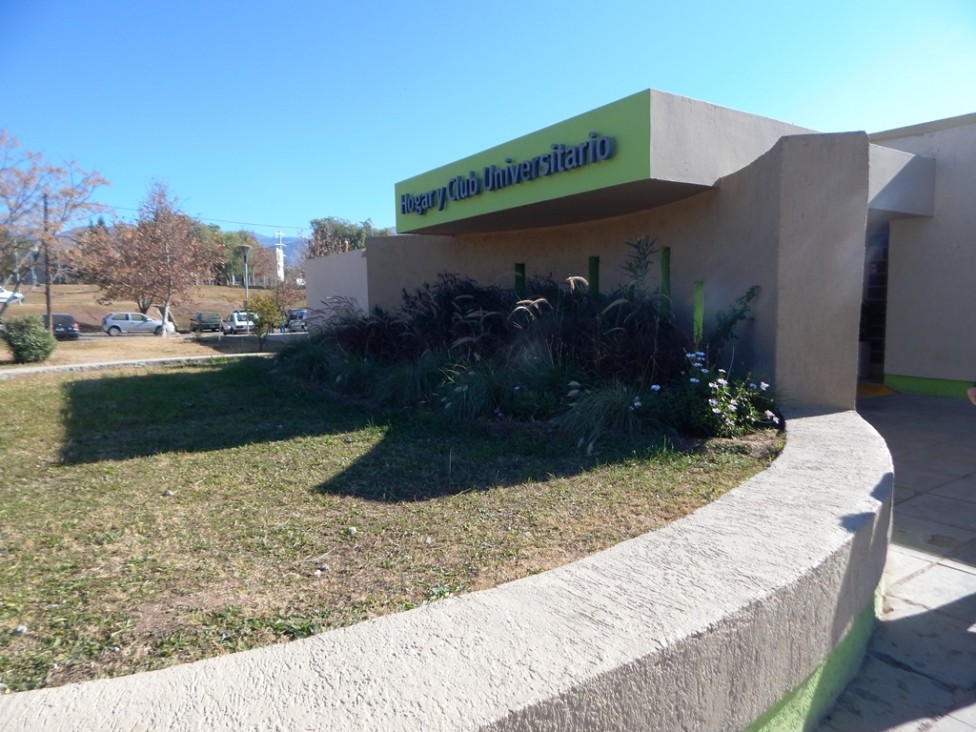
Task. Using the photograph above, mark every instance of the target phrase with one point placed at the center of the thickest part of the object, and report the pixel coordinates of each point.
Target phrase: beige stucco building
(829, 226)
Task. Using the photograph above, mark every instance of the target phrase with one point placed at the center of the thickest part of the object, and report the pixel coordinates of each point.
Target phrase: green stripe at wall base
(805, 706)
(928, 387)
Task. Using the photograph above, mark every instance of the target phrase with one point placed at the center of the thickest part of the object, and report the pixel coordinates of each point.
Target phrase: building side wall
(930, 330)
(398, 263)
(823, 221)
(341, 275)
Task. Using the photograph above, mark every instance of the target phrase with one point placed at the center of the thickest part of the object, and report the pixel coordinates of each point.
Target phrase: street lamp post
(245, 248)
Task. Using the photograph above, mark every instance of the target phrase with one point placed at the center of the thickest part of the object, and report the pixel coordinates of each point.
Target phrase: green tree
(29, 340)
(267, 315)
(332, 235)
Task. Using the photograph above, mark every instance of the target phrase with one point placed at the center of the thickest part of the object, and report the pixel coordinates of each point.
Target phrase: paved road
(920, 673)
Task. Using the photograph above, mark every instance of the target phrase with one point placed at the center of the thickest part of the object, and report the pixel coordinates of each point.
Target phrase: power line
(224, 221)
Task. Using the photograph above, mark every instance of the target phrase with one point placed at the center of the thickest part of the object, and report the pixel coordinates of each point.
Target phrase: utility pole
(245, 248)
(47, 272)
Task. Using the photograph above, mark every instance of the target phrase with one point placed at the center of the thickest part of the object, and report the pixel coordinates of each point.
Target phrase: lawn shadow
(200, 407)
(221, 405)
(421, 460)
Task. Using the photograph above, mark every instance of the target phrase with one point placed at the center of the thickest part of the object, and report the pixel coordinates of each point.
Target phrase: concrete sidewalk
(920, 672)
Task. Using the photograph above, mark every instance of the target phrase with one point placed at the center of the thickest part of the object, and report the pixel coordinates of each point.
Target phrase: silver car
(116, 323)
(8, 296)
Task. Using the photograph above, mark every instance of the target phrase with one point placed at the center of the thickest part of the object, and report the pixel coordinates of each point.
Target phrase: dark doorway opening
(874, 304)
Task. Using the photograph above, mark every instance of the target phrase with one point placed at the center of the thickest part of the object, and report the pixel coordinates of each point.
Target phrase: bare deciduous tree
(38, 201)
(154, 262)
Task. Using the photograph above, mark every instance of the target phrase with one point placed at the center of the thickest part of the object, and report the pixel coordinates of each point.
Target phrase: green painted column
(665, 308)
(520, 279)
(698, 321)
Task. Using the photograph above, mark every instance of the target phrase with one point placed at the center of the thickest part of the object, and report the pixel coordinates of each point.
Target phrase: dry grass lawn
(161, 515)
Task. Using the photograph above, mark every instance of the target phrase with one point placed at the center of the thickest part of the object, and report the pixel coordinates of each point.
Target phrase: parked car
(65, 326)
(8, 296)
(238, 321)
(205, 321)
(117, 323)
(297, 320)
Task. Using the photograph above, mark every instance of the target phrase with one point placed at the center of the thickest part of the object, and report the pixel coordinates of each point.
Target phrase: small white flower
(713, 402)
(721, 382)
(655, 387)
(752, 385)
(721, 371)
(693, 380)
(763, 385)
(704, 371)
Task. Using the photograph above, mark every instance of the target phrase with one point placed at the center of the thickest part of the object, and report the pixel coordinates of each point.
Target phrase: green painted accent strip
(520, 279)
(666, 284)
(594, 280)
(805, 706)
(928, 387)
(627, 121)
(698, 320)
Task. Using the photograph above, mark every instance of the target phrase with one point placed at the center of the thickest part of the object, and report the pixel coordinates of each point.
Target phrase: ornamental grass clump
(470, 352)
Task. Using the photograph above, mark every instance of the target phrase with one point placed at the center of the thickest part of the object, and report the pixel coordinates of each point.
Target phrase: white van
(238, 321)
(297, 321)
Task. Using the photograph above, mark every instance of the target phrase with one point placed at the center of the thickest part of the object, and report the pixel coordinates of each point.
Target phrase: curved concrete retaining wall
(705, 625)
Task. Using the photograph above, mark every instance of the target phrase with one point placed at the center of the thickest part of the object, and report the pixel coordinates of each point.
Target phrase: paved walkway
(920, 673)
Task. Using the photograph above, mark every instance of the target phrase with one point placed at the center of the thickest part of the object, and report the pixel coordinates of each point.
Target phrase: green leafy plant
(729, 319)
(29, 340)
(638, 263)
(267, 315)
(708, 402)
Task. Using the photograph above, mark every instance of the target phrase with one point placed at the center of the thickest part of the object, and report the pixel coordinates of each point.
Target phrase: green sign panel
(605, 147)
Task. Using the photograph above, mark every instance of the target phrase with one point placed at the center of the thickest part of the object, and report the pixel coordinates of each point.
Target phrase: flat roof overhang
(604, 203)
(640, 152)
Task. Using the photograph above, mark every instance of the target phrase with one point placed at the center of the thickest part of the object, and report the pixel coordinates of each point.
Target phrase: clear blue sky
(272, 114)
